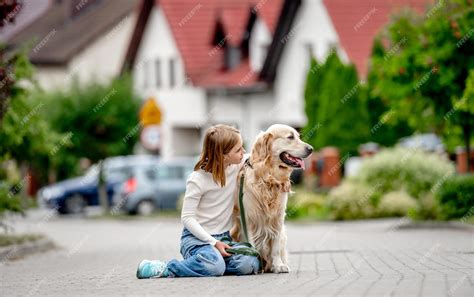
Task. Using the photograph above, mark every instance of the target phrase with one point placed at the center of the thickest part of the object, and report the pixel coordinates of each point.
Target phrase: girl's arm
(188, 213)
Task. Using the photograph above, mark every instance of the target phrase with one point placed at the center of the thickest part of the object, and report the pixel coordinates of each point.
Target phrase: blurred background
(104, 103)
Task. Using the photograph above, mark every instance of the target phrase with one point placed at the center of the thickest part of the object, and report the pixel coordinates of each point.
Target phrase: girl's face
(235, 155)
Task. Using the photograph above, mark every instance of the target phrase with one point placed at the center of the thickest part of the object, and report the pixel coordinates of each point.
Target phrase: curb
(437, 225)
(17, 251)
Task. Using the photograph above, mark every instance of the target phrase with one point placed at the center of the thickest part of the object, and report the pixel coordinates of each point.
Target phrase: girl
(206, 214)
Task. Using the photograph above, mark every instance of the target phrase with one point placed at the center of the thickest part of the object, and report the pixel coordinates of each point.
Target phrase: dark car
(72, 195)
(157, 186)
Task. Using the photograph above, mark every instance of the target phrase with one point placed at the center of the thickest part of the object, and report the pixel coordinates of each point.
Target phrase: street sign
(150, 137)
(150, 113)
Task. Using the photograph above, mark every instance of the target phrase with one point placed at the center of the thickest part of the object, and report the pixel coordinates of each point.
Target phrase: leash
(243, 248)
(242, 210)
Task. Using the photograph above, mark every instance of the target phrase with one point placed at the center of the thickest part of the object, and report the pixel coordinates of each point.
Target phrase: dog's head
(280, 146)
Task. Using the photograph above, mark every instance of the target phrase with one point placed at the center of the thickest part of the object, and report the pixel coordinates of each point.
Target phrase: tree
(385, 128)
(423, 73)
(336, 107)
(98, 120)
(25, 135)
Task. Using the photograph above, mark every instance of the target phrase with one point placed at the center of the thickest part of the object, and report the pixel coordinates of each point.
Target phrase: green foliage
(396, 204)
(394, 182)
(385, 128)
(413, 171)
(25, 135)
(456, 197)
(306, 204)
(421, 66)
(8, 201)
(335, 104)
(351, 201)
(98, 120)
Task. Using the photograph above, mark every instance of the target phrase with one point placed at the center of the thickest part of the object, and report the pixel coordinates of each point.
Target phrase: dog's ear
(262, 149)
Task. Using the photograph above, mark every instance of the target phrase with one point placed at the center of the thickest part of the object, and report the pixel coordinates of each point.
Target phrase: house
(73, 39)
(243, 62)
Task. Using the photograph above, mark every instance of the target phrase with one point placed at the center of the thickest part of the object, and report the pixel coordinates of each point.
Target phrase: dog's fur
(266, 188)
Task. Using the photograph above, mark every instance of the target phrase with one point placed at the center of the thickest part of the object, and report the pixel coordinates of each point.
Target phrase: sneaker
(151, 269)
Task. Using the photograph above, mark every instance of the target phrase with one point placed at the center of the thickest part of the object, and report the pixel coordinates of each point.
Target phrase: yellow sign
(150, 114)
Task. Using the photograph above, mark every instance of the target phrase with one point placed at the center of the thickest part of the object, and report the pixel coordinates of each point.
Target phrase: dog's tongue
(297, 160)
(300, 162)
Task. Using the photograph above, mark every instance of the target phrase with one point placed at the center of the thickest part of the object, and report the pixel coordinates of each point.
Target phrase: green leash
(243, 248)
(242, 210)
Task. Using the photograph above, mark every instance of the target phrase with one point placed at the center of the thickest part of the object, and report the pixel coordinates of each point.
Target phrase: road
(98, 257)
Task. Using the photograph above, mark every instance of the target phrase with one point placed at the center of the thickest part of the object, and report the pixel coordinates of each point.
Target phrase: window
(172, 73)
(145, 74)
(158, 73)
(170, 172)
(232, 56)
(118, 173)
(151, 173)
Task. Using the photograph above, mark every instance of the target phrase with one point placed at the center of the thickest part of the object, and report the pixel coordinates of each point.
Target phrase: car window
(120, 173)
(151, 173)
(170, 172)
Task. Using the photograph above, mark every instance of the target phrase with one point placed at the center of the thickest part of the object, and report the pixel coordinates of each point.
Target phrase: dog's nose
(309, 149)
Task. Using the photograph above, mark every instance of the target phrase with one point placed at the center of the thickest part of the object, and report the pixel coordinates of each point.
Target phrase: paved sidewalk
(366, 258)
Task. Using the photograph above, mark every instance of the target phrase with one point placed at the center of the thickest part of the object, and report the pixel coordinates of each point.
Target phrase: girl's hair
(219, 140)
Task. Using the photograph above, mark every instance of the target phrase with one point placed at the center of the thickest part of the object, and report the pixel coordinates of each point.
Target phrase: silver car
(157, 186)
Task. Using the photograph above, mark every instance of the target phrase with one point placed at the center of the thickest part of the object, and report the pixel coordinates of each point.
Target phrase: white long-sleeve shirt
(207, 207)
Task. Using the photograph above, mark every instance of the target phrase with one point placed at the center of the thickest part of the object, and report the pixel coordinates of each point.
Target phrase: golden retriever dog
(274, 155)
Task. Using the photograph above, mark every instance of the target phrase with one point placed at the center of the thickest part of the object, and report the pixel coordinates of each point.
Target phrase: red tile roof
(358, 22)
(193, 27)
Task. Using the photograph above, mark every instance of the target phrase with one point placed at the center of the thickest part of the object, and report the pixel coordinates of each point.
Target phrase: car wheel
(75, 204)
(145, 208)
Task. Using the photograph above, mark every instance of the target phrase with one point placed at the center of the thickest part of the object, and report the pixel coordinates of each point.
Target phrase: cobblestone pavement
(365, 258)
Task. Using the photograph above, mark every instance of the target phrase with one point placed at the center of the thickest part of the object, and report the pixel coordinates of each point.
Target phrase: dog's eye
(291, 137)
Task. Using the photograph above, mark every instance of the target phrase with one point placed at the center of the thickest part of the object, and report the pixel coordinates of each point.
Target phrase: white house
(242, 62)
(221, 63)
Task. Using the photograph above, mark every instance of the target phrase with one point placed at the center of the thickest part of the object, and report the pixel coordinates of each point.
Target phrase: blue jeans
(202, 259)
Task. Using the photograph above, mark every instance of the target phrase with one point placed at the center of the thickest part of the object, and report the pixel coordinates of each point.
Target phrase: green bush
(396, 204)
(456, 197)
(412, 171)
(395, 182)
(303, 203)
(351, 201)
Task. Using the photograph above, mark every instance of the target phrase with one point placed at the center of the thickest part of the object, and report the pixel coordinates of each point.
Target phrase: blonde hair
(218, 141)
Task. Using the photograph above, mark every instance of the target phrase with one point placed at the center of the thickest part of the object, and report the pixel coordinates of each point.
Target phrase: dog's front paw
(283, 268)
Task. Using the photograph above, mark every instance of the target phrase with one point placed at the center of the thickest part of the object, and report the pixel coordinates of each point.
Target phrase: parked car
(157, 186)
(72, 195)
(428, 142)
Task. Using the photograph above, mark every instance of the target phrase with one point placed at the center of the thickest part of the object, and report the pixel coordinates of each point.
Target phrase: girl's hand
(220, 246)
